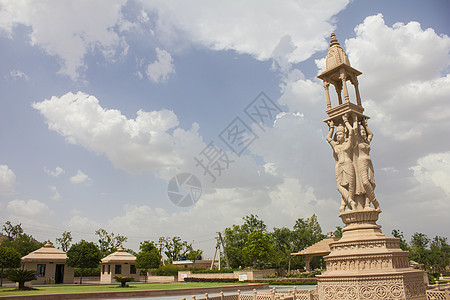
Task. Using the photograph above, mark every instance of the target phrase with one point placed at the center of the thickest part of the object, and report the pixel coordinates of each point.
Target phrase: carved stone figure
(365, 174)
(343, 154)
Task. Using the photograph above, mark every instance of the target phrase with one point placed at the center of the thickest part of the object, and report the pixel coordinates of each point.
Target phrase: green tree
(65, 240)
(403, 244)
(338, 232)
(419, 252)
(234, 240)
(175, 248)
(236, 237)
(439, 257)
(9, 258)
(109, 243)
(194, 255)
(23, 243)
(257, 248)
(307, 232)
(283, 246)
(21, 276)
(252, 223)
(83, 255)
(12, 231)
(281, 242)
(146, 260)
(419, 240)
(147, 246)
(18, 240)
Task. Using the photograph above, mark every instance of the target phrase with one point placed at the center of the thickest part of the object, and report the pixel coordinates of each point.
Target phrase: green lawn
(107, 288)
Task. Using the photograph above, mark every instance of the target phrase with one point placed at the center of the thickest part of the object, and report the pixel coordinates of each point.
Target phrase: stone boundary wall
(189, 274)
(160, 279)
(252, 275)
(241, 275)
(76, 280)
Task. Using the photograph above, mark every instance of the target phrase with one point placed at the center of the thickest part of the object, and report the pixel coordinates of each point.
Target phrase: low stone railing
(438, 294)
(272, 295)
(295, 294)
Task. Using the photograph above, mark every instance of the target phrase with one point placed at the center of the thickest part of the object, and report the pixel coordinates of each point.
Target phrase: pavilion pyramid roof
(318, 249)
(46, 253)
(119, 256)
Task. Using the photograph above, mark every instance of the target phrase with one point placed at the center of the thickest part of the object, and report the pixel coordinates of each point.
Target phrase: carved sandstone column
(327, 93)
(364, 263)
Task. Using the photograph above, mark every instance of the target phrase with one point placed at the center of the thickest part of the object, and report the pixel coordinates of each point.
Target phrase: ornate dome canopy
(336, 55)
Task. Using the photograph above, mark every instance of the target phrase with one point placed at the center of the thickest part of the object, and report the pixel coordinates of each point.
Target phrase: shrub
(296, 274)
(167, 270)
(123, 280)
(431, 279)
(272, 276)
(21, 276)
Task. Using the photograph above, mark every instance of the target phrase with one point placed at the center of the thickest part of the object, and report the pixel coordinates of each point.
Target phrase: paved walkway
(141, 294)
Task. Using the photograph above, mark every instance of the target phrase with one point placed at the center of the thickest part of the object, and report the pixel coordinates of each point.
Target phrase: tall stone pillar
(364, 263)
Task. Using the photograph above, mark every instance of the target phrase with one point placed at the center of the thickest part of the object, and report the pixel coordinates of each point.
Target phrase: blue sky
(103, 102)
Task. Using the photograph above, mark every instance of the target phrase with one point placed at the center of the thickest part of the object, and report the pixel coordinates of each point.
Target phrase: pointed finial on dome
(333, 40)
(48, 244)
(120, 248)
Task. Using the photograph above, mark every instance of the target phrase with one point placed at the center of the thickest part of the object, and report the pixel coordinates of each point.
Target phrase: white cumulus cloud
(79, 223)
(56, 195)
(27, 208)
(17, 74)
(148, 142)
(161, 68)
(254, 27)
(58, 171)
(434, 169)
(7, 180)
(404, 89)
(87, 25)
(80, 177)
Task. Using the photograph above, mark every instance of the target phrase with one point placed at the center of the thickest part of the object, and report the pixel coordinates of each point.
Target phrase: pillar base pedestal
(366, 264)
(402, 284)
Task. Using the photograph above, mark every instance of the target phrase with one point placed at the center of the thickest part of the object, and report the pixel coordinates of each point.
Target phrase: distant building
(198, 264)
(50, 264)
(119, 263)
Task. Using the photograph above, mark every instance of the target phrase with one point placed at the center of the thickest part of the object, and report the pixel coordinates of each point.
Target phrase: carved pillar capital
(326, 84)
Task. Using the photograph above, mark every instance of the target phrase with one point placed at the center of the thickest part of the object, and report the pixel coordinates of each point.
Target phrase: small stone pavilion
(50, 264)
(119, 263)
(321, 248)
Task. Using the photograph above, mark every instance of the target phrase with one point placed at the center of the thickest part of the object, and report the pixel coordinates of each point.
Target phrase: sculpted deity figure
(342, 152)
(364, 163)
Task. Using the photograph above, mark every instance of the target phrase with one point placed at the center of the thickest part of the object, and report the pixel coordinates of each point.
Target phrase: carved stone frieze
(388, 243)
(367, 262)
(409, 286)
